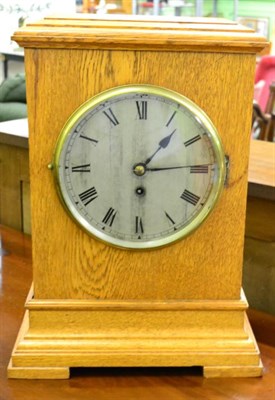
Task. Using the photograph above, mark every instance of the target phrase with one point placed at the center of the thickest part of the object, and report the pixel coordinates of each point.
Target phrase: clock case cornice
(139, 33)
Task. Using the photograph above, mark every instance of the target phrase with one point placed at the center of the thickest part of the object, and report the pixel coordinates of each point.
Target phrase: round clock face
(139, 166)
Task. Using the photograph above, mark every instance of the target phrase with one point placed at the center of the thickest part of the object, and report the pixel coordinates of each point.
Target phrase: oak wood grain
(69, 264)
(146, 24)
(85, 268)
(262, 163)
(116, 383)
(141, 18)
(137, 33)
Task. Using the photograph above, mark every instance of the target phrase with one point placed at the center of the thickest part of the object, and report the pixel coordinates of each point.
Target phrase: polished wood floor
(115, 383)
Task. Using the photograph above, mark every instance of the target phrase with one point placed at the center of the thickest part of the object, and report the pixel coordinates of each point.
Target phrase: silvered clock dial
(139, 166)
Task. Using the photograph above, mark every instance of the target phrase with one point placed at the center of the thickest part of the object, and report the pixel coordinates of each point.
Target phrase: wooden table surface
(262, 163)
(115, 383)
(15, 133)
(261, 172)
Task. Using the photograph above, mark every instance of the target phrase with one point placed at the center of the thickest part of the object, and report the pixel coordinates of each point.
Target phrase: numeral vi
(139, 226)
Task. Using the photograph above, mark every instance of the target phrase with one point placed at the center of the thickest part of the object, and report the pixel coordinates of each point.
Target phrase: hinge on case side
(227, 166)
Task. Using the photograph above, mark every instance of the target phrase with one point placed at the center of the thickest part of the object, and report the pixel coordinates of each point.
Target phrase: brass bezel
(202, 118)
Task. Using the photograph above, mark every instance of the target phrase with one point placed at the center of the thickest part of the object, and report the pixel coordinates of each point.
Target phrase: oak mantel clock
(139, 143)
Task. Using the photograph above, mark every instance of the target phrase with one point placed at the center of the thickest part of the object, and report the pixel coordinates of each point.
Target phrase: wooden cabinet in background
(14, 176)
(122, 6)
(259, 249)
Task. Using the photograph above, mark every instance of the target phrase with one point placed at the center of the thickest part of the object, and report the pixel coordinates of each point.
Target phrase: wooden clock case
(96, 305)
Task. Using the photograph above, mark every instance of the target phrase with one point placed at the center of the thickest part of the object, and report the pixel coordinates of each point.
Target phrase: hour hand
(162, 145)
(165, 141)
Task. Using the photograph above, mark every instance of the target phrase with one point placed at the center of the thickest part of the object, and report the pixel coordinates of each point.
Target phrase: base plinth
(57, 335)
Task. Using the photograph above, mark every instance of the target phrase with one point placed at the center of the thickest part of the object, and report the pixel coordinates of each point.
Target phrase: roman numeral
(139, 226)
(142, 109)
(110, 115)
(88, 196)
(190, 197)
(170, 219)
(191, 141)
(87, 138)
(199, 169)
(171, 118)
(109, 217)
(82, 168)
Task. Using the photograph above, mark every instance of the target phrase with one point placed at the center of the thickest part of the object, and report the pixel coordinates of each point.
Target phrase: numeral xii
(142, 109)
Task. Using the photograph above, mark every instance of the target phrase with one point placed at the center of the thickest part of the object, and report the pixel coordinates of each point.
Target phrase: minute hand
(177, 167)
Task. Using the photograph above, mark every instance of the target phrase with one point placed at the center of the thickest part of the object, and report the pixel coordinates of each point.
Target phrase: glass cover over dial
(139, 166)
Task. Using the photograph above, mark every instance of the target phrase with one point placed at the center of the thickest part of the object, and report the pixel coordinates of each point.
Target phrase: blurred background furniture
(11, 54)
(259, 249)
(14, 175)
(263, 121)
(13, 98)
(265, 72)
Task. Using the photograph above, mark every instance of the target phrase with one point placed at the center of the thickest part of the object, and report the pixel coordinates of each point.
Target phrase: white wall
(12, 10)
(14, 68)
